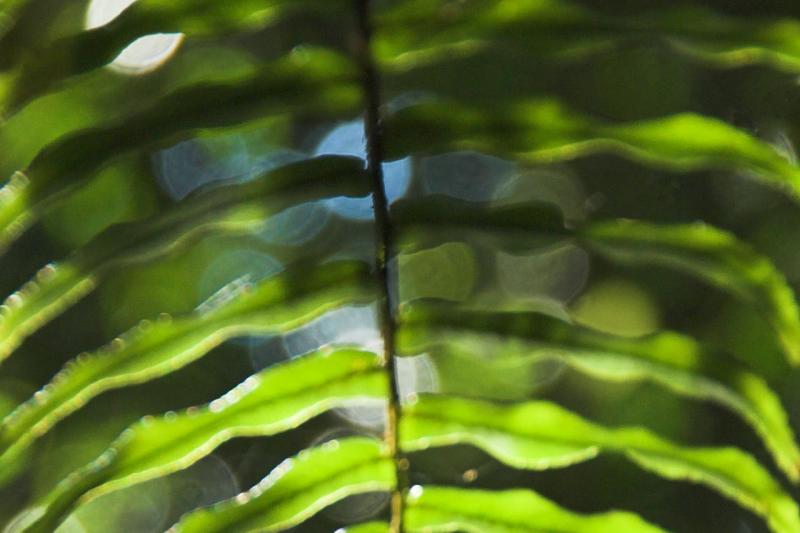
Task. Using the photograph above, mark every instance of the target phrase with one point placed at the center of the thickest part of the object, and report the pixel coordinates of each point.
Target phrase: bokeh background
(640, 78)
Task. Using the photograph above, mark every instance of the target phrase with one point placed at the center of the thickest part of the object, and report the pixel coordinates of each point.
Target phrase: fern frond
(541, 435)
(276, 400)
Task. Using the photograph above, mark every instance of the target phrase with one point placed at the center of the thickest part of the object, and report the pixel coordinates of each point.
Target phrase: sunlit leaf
(314, 82)
(277, 399)
(56, 287)
(671, 360)
(443, 509)
(154, 349)
(545, 130)
(367, 527)
(300, 487)
(541, 435)
(432, 509)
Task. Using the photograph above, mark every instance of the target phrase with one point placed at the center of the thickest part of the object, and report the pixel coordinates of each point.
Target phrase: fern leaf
(432, 509)
(277, 399)
(367, 527)
(300, 487)
(671, 360)
(541, 435)
(57, 287)
(545, 130)
(41, 66)
(154, 349)
(442, 509)
(700, 250)
(563, 29)
(320, 82)
(517, 227)
(711, 254)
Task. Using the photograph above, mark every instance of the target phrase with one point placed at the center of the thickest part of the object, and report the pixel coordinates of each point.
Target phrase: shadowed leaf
(700, 250)
(42, 65)
(545, 130)
(420, 30)
(314, 82)
(57, 287)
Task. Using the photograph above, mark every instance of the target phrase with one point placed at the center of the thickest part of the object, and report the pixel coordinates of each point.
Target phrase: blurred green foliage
(600, 196)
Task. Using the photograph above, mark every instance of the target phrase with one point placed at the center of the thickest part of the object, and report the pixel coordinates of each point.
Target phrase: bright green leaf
(275, 400)
(671, 360)
(444, 509)
(367, 527)
(300, 487)
(541, 435)
(154, 349)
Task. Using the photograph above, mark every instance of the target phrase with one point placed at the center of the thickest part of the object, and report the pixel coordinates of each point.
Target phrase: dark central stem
(383, 248)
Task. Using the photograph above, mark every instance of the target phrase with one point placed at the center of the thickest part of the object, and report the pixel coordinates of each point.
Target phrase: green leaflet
(15, 217)
(42, 65)
(421, 30)
(545, 130)
(309, 83)
(516, 226)
(429, 509)
(672, 360)
(367, 527)
(300, 487)
(57, 287)
(711, 254)
(154, 349)
(541, 435)
(701, 250)
(275, 400)
(444, 509)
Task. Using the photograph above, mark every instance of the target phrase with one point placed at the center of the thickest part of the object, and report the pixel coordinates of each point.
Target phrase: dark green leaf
(545, 130)
(42, 65)
(711, 254)
(699, 249)
(307, 83)
(57, 287)
(420, 31)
